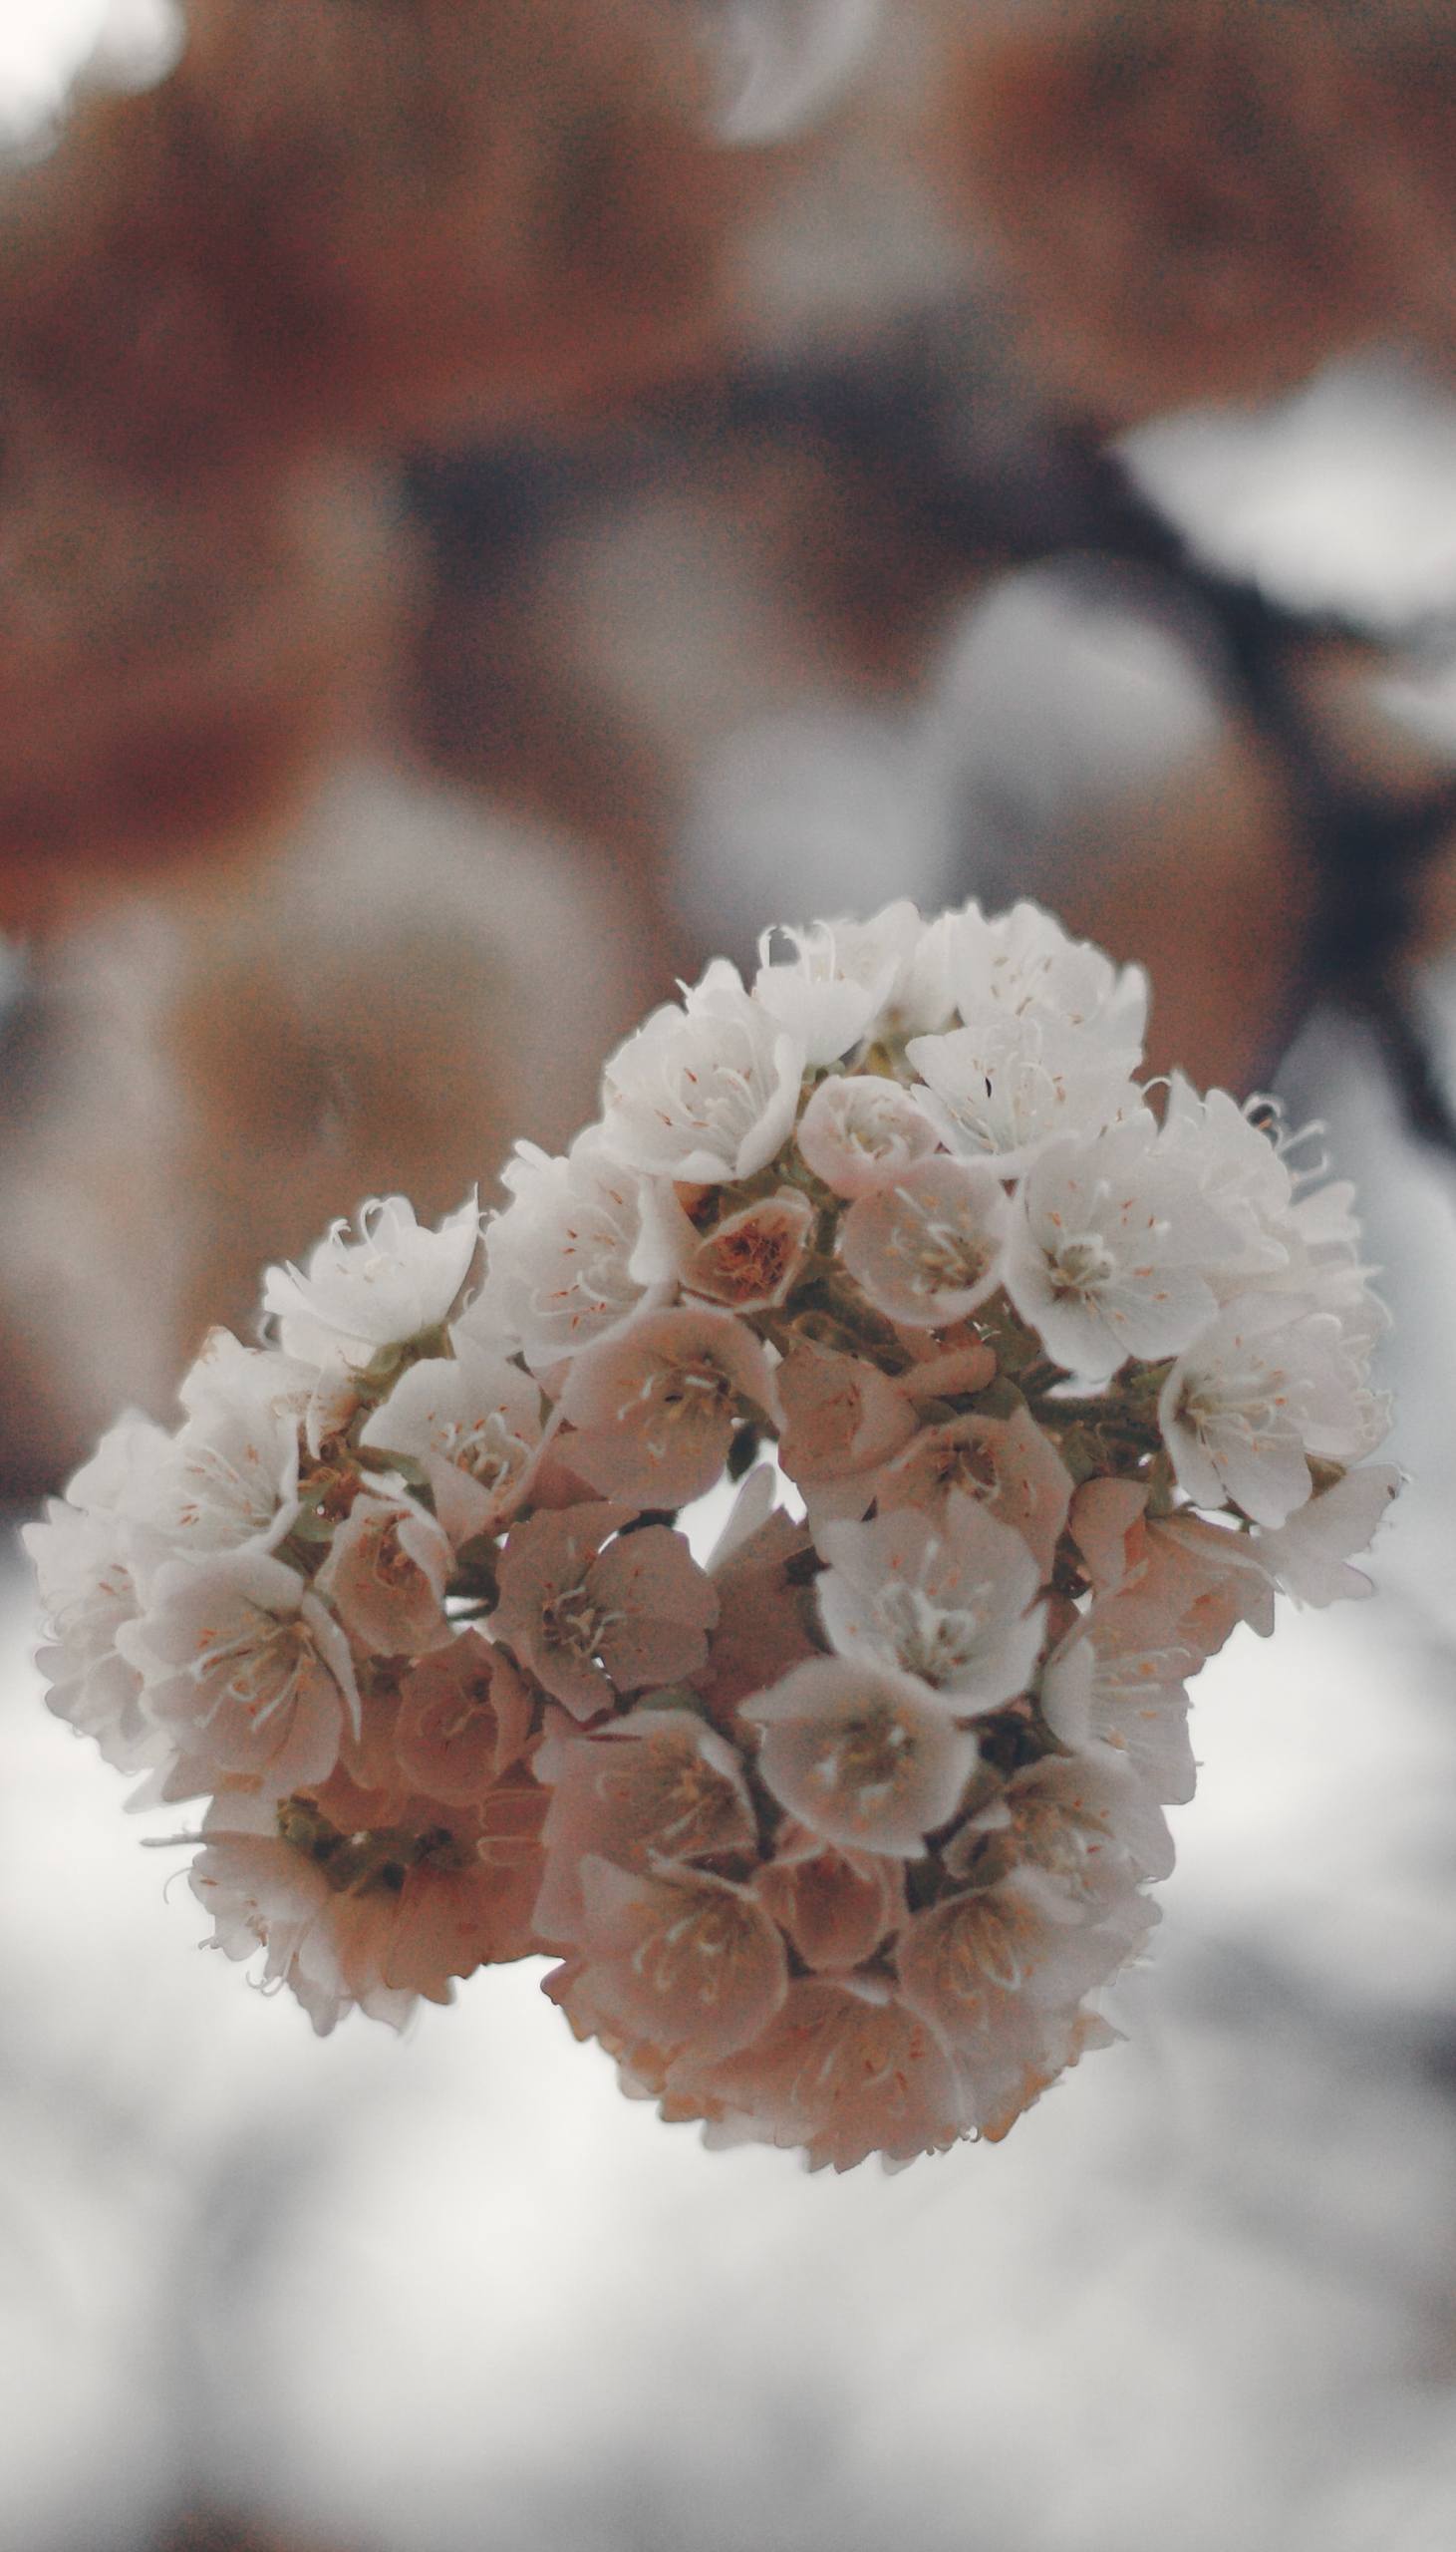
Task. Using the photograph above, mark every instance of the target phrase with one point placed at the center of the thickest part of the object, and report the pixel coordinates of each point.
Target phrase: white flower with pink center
(926, 1248)
(706, 1093)
(559, 1256)
(1108, 1256)
(655, 1408)
(473, 1423)
(860, 1131)
(748, 1261)
(595, 1612)
(944, 1599)
(247, 1669)
(396, 1282)
(870, 1758)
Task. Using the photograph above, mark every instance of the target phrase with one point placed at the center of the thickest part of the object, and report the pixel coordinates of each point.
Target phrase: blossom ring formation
(1036, 1381)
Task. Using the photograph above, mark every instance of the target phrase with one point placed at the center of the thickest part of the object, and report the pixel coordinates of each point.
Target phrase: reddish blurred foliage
(175, 655)
(340, 222)
(1205, 198)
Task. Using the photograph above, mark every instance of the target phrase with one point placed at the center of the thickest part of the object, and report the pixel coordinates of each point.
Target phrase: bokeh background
(500, 503)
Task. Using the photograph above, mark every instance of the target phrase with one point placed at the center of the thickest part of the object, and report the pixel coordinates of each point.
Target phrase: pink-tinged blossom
(751, 1259)
(245, 1669)
(88, 1590)
(836, 1907)
(386, 1576)
(1107, 1522)
(844, 1418)
(592, 1622)
(425, 1905)
(1117, 1680)
(1087, 1821)
(473, 1423)
(1010, 1463)
(1260, 1389)
(841, 977)
(764, 1614)
(926, 1249)
(657, 1786)
(262, 1894)
(868, 1757)
(1108, 1251)
(465, 1716)
(943, 1598)
(679, 1957)
(559, 1257)
(656, 1406)
(1203, 1579)
(949, 1363)
(845, 2070)
(1007, 1087)
(392, 1284)
(861, 1131)
(999, 1973)
(706, 1093)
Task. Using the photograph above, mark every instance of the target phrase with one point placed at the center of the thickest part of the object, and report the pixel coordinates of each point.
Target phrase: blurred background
(500, 502)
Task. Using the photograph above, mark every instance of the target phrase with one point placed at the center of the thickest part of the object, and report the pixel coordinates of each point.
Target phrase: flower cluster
(1055, 1380)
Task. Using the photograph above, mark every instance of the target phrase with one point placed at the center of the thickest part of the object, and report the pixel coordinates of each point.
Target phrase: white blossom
(473, 1422)
(839, 980)
(393, 1283)
(926, 1248)
(860, 1131)
(1265, 1386)
(1108, 1253)
(871, 1759)
(1004, 1088)
(559, 1257)
(246, 1670)
(706, 1093)
(946, 1599)
(1023, 963)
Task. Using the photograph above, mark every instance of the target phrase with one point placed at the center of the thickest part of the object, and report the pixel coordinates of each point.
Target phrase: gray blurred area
(453, 2293)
